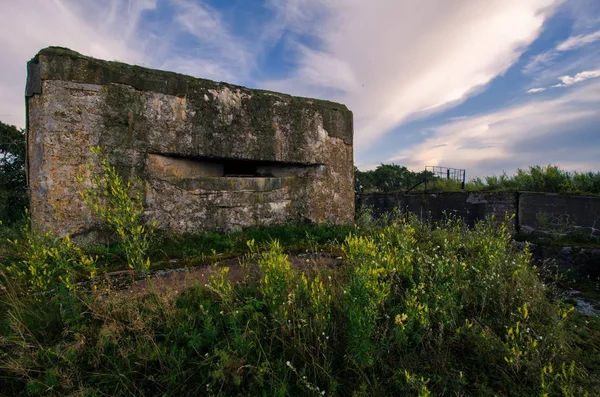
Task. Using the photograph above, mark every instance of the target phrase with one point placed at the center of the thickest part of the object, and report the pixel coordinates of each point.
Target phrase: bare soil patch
(177, 279)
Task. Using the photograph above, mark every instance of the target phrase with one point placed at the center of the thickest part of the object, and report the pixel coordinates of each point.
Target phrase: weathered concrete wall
(436, 206)
(559, 213)
(535, 212)
(584, 261)
(212, 156)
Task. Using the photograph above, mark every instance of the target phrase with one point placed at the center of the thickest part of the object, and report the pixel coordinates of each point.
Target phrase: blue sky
(489, 86)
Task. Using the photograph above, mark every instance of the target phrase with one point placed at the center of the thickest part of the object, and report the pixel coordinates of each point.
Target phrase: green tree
(363, 180)
(392, 177)
(388, 178)
(13, 183)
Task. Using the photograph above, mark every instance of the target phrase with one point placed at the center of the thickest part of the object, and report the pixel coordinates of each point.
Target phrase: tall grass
(413, 310)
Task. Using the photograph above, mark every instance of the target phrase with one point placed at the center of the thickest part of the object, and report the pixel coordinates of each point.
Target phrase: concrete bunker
(211, 156)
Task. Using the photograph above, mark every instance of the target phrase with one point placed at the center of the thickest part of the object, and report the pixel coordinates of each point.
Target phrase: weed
(48, 262)
(413, 310)
(120, 206)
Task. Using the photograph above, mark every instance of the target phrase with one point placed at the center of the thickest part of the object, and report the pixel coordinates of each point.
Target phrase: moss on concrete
(65, 64)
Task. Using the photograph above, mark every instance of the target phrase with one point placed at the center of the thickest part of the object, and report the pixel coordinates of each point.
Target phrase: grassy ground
(171, 250)
(408, 310)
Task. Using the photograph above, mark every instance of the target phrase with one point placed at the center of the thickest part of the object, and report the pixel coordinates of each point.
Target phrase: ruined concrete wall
(212, 156)
(469, 206)
(559, 213)
(534, 212)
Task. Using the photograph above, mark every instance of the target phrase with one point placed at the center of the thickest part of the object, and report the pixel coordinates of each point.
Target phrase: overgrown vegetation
(413, 309)
(120, 206)
(549, 179)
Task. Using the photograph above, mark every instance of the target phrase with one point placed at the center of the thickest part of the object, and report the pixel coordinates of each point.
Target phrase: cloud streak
(578, 41)
(215, 52)
(195, 41)
(515, 136)
(389, 71)
(104, 30)
(566, 81)
(546, 58)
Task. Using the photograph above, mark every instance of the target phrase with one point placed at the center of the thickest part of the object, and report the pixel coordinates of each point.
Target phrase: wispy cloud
(566, 81)
(215, 52)
(193, 40)
(546, 58)
(540, 61)
(581, 40)
(533, 132)
(389, 71)
(108, 30)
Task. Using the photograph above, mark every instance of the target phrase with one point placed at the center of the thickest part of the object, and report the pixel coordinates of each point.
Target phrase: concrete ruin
(211, 156)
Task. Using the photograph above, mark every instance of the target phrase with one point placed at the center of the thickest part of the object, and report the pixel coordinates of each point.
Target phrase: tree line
(536, 178)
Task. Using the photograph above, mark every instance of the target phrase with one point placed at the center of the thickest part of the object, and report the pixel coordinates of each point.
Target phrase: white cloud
(393, 61)
(104, 30)
(581, 40)
(115, 30)
(566, 81)
(578, 78)
(505, 136)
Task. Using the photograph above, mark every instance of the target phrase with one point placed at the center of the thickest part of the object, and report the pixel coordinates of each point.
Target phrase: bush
(48, 263)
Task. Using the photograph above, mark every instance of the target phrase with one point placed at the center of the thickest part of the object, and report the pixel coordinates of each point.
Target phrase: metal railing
(433, 172)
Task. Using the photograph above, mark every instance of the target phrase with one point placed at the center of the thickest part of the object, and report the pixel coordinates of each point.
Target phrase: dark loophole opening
(235, 168)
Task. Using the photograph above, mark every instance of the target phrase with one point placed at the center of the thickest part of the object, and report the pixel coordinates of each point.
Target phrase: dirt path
(177, 279)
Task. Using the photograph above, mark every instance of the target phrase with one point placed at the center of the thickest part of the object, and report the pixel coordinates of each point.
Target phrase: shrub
(120, 206)
(549, 179)
(47, 262)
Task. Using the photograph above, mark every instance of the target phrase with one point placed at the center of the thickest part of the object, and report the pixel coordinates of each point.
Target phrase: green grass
(413, 310)
(584, 332)
(195, 249)
(293, 237)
